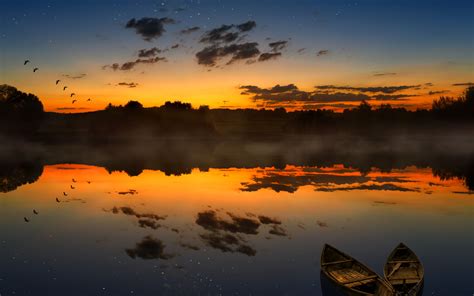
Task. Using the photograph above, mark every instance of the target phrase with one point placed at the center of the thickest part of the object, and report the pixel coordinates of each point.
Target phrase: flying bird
(64, 193)
(73, 101)
(57, 200)
(57, 81)
(74, 180)
(26, 219)
(88, 182)
(35, 212)
(26, 62)
(72, 187)
(88, 100)
(73, 94)
(64, 88)
(35, 69)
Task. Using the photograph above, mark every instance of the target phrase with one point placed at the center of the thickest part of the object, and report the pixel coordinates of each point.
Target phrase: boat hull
(404, 271)
(343, 275)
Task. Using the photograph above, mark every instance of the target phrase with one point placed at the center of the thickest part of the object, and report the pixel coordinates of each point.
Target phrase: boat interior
(404, 271)
(349, 272)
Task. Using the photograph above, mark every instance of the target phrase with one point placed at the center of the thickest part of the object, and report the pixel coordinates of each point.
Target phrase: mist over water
(229, 217)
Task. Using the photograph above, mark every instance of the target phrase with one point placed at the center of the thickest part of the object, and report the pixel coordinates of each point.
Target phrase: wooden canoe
(350, 277)
(404, 271)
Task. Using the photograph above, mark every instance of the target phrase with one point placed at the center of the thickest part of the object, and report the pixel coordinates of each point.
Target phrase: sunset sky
(294, 54)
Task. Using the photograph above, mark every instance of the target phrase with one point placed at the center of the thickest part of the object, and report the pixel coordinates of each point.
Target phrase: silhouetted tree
(364, 107)
(177, 105)
(133, 105)
(459, 108)
(203, 108)
(13, 100)
(20, 113)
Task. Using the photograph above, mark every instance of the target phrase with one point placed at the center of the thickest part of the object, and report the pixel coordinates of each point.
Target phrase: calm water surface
(226, 231)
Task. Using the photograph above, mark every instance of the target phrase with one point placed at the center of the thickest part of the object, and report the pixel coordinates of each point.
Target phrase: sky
(298, 54)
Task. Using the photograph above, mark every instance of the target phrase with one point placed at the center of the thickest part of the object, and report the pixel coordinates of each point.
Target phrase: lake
(231, 230)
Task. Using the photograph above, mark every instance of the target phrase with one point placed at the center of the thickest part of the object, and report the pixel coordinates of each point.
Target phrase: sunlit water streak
(229, 231)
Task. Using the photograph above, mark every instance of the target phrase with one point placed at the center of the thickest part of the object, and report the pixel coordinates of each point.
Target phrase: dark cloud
(148, 53)
(179, 9)
(190, 246)
(130, 191)
(226, 41)
(376, 187)
(278, 45)
(227, 33)
(220, 238)
(148, 223)
(247, 26)
(227, 235)
(275, 48)
(374, 89)
(209, 56)
(268, 56)
(464, 84)
(227, 243)
(325, 180)
(148, 27)
(71, 108)
(247, 250)
(438, 92)
(174, 46)
(78, 76)
(429, 84)
(210, 221)
(190, 30)
(291, 94)
(129, 85)
(385, 74)
(278, 230)
(149, 248)
(384, 97)
(268, 220)
(252, 89)
(338, 97)
(379, 202)
(301, 50)
(322, 52)
(290, 183)
(220, 34)
(130, 65)
(279, 95)
(321, 223)
(395, 179)
(312, 106)
(131, 212)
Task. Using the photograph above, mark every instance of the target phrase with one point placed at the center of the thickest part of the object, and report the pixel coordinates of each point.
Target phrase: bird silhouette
(72, 187)
(57, 200)
(26, 62)
(74, 180)
(88, 100)
(26, 219)
(35, 212)
(88, 182)
(64, 193)
(73, 101)
(57, 81)
(73, 94)
(64, 88)
(35, 69)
